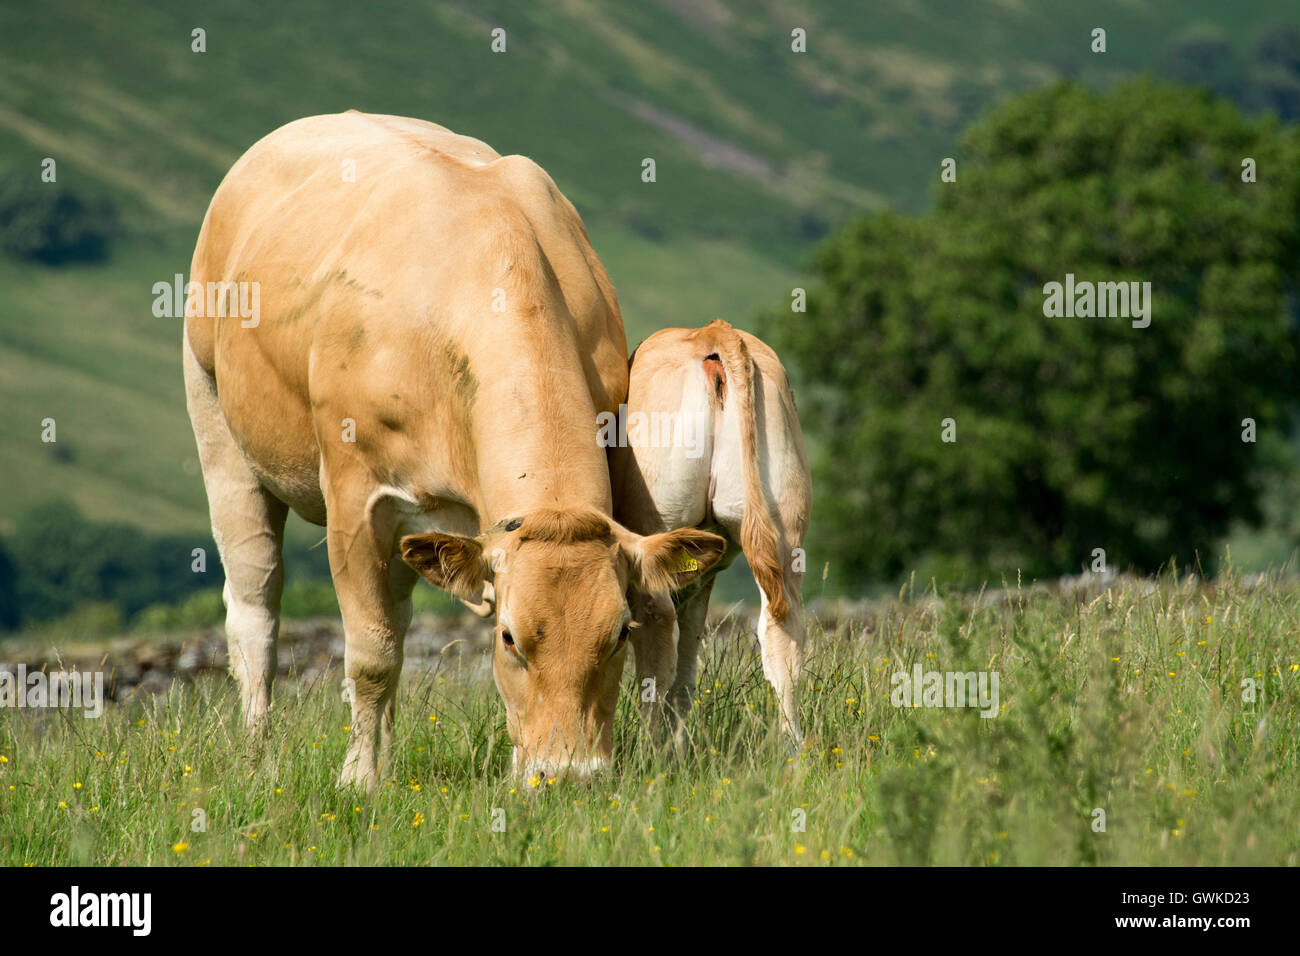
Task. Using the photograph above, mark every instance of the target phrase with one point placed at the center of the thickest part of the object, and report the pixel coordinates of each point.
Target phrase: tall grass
(1127, 701)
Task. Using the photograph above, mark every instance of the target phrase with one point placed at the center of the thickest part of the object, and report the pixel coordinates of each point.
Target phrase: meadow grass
(1128, 700)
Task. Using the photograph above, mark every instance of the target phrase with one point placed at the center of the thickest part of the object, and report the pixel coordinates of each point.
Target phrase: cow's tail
(758, 536)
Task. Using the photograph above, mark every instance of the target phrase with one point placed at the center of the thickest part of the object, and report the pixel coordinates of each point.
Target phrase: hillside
(759, 152)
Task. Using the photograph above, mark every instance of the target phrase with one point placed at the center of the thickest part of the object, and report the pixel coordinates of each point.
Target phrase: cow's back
(285, 202)
(377, 245)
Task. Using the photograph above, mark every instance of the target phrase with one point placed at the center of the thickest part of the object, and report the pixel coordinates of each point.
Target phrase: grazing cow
(434, 340)
(737, 468)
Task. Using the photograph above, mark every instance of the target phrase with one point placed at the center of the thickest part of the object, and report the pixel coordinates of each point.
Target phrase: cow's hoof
(359, 774)
(367, 783)
(255, 715)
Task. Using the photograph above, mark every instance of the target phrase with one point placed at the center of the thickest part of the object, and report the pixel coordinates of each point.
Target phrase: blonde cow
(433, 340)
(713, 442)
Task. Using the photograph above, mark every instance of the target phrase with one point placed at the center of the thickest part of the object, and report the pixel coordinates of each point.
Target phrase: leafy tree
(1071, 433)
(51, 223)
(9, 612)
(65, 560)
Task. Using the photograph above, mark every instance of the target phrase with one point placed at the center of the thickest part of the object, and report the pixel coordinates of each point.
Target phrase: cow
(435, 337)
(737, 467)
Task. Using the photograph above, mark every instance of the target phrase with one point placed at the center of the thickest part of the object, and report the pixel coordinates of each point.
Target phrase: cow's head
(559, 580)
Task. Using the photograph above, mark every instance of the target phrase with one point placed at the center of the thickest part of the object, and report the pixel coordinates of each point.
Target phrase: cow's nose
(565, 769)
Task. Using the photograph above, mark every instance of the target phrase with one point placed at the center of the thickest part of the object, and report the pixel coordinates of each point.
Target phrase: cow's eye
(622, 635)
(508, 642)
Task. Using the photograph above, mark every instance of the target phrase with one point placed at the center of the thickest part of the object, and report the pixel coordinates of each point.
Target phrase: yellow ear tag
(685, 563)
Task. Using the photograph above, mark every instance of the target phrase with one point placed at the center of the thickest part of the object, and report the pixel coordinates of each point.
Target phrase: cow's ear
(449, 562)
(672, 560)
(487, 605)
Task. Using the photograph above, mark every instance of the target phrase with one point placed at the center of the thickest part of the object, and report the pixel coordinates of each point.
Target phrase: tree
(1072, 434)
(51, 223)
(9, 612)
(64, 560)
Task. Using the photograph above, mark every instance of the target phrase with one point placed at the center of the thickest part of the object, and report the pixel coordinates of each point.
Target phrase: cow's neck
(536, 445)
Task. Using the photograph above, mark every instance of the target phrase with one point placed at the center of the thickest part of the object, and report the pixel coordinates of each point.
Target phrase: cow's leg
(373, 587)
(654, 645)
(401, 582)
(782, 646)
(248, 526)
(250, 536)
(691, 616)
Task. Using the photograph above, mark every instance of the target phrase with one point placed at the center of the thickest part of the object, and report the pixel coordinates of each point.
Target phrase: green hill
(759, 152)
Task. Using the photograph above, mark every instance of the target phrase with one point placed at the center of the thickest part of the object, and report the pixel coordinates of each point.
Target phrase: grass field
(1127, 700)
